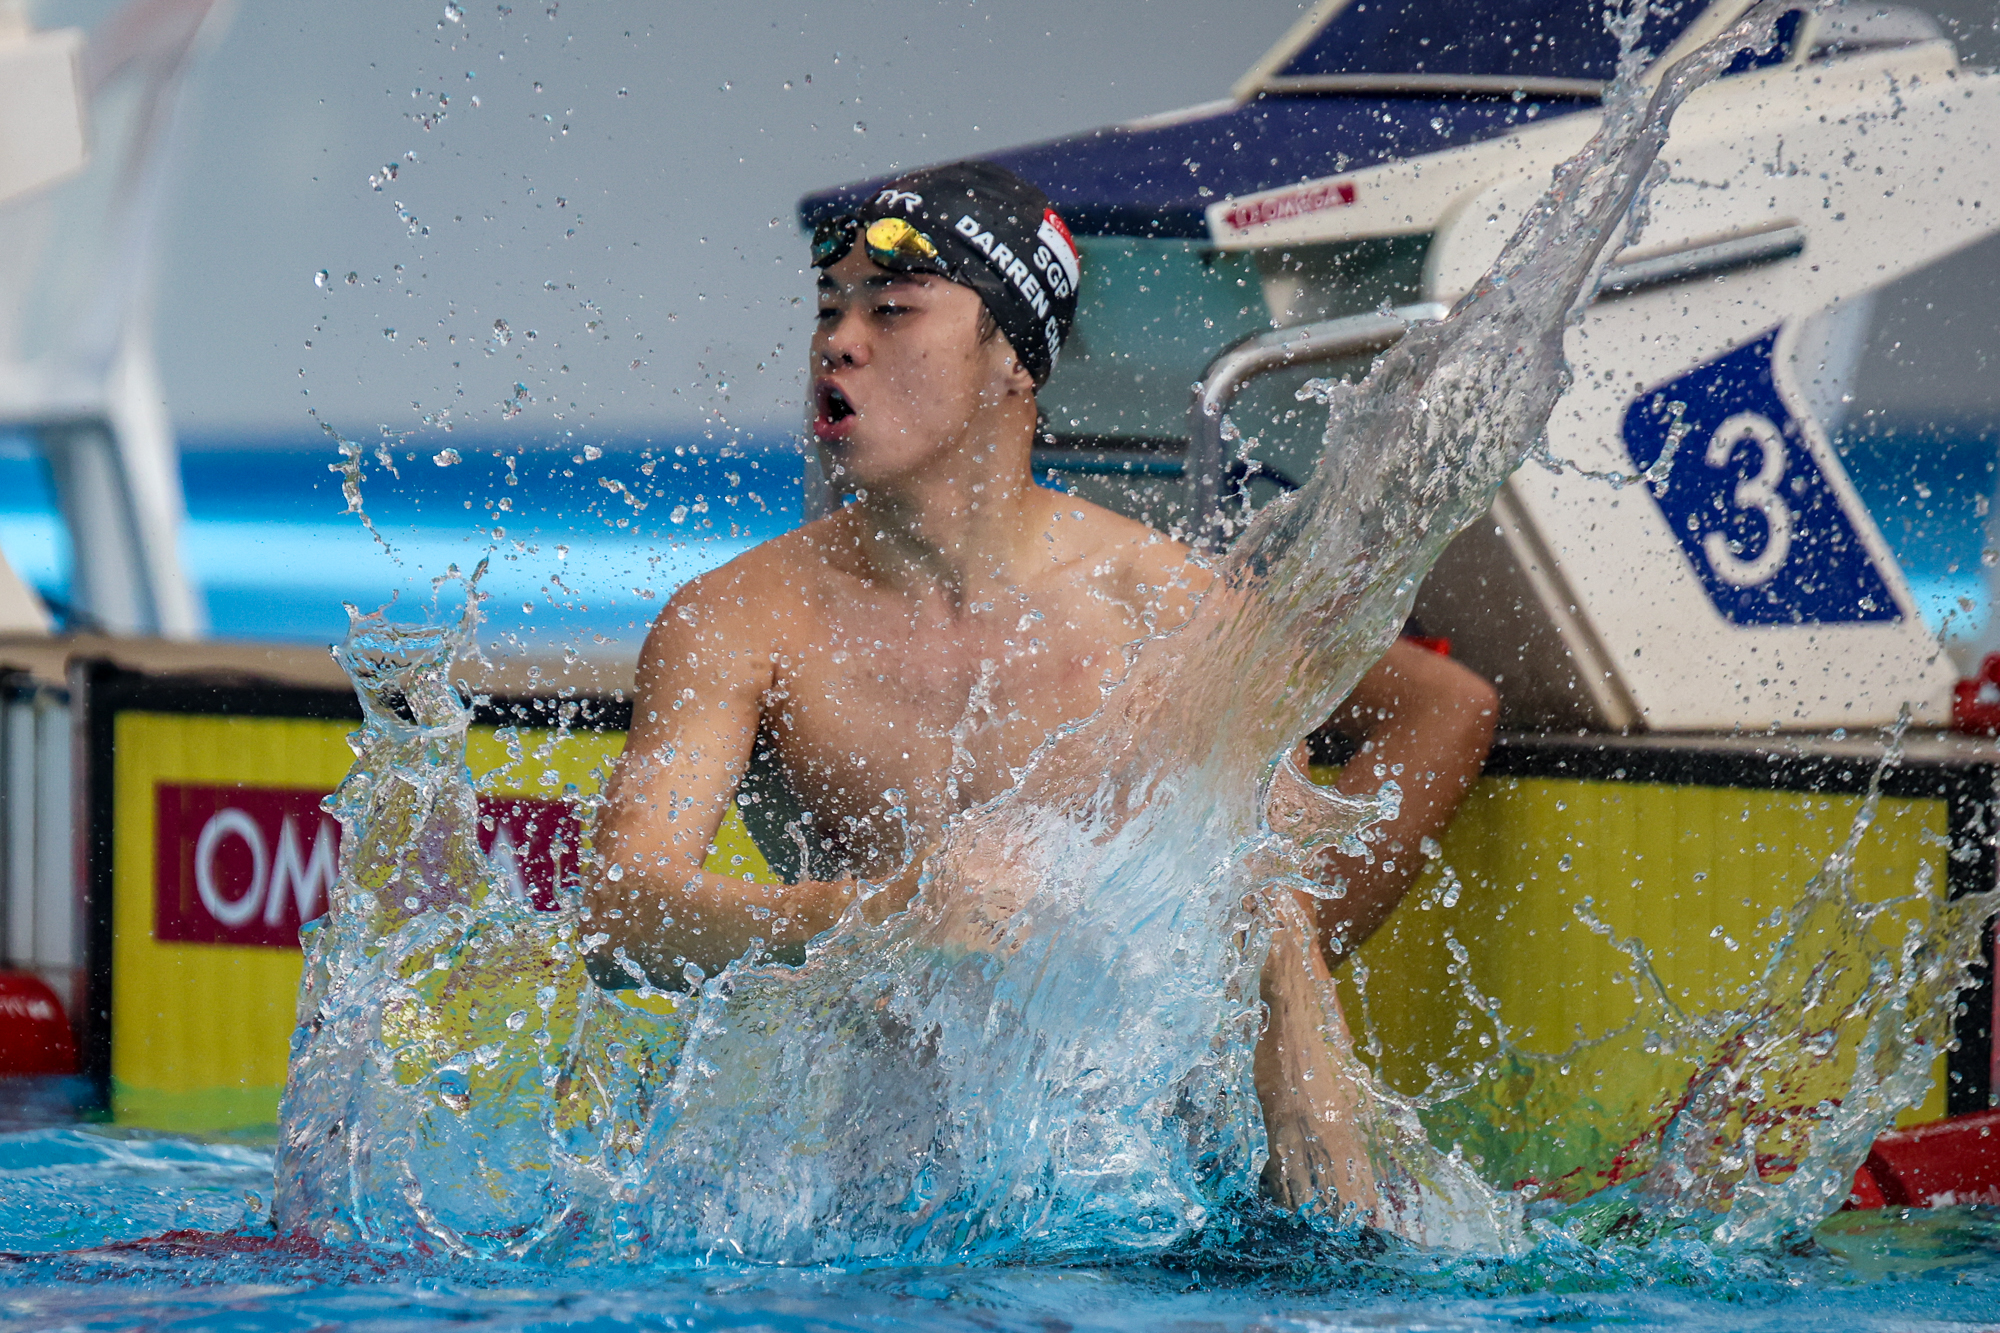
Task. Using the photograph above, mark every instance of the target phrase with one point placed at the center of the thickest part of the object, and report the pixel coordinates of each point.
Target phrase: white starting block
(1750, 588)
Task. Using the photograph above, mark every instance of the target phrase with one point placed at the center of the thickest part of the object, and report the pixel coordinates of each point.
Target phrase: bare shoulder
(743, 609)
(1129, 562)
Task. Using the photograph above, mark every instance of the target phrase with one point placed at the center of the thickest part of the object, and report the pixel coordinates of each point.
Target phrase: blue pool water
(1930, 487)
(102, 1230)
(275, 555)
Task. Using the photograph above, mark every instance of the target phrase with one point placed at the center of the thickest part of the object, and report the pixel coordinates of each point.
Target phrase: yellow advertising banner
(216, 850)
(220, 851)
(1544, 888)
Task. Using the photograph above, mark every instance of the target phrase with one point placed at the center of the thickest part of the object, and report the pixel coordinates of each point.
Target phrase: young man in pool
(928, 635)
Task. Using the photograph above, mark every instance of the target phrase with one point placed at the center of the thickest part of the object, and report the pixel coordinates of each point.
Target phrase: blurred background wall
(617, 177)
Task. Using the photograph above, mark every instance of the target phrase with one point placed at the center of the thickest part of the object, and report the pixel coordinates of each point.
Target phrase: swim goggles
(892, 243)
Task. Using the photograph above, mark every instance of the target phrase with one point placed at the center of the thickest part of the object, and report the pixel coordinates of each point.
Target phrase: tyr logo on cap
(893, 198)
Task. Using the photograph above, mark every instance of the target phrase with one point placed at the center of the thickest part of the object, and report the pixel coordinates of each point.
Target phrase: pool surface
(585, 541)
(110, 1230)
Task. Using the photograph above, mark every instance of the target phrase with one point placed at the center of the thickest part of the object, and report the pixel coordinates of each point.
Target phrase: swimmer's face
(900, 372)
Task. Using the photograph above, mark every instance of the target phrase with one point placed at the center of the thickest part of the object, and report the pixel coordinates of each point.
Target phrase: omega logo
(307, 876)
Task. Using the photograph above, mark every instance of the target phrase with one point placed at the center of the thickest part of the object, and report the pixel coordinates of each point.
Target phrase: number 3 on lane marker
(1758, 492)
(1757, 514)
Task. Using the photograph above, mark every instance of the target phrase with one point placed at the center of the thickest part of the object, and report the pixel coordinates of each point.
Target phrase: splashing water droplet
(446, 458)
(322, 278)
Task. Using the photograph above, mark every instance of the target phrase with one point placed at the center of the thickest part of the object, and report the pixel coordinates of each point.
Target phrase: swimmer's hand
(675, 933)
(982, 891)
(881, 899)
(673, 937)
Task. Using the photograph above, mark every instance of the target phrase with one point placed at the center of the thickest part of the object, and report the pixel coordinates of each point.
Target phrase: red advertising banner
(249, 865)
(532, 842)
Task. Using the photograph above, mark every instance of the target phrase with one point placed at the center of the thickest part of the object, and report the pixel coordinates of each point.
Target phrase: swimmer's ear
(1020, 384)
(1018, 381)
(1011, 381)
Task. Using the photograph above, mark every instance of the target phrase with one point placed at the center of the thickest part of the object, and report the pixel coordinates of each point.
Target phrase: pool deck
(46, 660)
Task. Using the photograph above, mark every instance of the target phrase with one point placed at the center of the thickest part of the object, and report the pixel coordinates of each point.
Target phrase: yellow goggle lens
(894, 236)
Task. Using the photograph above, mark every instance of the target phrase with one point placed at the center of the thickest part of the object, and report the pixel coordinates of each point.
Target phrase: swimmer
(928, 635)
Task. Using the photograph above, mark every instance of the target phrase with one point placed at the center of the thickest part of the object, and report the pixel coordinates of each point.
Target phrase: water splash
(1744, 1124)
(349, 468)
(1049, 1055)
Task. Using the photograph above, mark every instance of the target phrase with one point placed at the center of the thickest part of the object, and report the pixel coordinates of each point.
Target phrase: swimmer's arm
(1433, 719)
(694, 720)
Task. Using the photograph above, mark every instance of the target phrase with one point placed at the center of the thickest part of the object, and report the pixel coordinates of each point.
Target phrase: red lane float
(1932, 1166)
(1975, 701)
(34, 1034)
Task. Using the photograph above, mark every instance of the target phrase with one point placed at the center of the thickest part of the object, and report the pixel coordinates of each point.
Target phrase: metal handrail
(1260, 354)
(1702, 261)
(1359, 335)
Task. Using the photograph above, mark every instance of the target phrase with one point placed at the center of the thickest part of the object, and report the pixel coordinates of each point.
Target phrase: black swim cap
(982, 226)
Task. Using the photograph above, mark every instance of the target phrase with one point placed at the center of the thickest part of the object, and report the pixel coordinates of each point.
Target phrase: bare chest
(883, 717)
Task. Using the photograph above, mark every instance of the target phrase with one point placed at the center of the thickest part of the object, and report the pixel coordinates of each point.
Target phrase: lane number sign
(1748, 498)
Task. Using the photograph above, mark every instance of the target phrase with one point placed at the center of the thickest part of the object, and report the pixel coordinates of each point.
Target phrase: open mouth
(836, 413)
